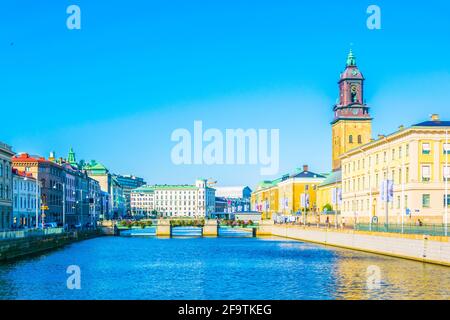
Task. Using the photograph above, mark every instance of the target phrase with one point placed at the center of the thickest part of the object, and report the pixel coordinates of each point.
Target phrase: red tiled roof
(25, 157)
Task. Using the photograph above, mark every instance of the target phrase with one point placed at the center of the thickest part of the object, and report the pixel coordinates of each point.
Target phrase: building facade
(6, 184)
(291, 194)
(352, 124)
(351, 128)
(233, 199)
(128, 183)
(50, 179)
(110, 185)
(196, 200)
(26, 197)
(414, 161)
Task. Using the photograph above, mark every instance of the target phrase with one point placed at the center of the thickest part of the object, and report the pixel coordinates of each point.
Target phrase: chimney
(401, 127)
(305, 167)
(380, 136)
(434, 117)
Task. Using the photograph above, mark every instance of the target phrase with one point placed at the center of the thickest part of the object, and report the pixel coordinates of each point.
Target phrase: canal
(218, 268)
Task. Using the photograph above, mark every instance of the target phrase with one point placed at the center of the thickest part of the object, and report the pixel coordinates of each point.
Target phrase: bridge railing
(425, 229)
(20, 234)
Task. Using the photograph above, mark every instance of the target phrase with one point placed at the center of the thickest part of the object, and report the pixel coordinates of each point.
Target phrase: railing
(425, 229)
(5, 146)
(20, 234)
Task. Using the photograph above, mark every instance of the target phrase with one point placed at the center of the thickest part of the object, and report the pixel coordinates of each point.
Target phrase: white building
(26, 194)
(5, 186)
(234, 192)
(174, 200)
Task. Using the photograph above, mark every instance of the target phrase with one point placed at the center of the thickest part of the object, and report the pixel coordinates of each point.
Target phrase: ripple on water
(218, 268)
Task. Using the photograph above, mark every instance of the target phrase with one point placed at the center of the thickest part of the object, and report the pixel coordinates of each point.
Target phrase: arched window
(359, 139)
(350, 139)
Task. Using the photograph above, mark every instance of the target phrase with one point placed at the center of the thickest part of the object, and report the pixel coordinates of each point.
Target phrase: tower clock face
(354, 72)
(354, 89)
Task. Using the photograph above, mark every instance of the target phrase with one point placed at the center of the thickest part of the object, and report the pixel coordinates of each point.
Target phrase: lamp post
(403, 177)
(446, 184)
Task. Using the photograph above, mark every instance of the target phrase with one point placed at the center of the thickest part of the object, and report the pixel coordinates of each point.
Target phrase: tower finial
(71, 159)
(351, 59)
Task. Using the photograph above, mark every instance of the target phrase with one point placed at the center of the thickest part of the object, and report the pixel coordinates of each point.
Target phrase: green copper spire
(71, 159)
(351, 59)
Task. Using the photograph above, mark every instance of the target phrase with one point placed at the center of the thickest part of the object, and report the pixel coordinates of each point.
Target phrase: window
(407, 150)
(446, 173)
(448, 200)
(426, 148)
(350, 139)
(359, 139)
(446, 148)
(426, 173)
(426, 200)
(407, 175)
(400, 152)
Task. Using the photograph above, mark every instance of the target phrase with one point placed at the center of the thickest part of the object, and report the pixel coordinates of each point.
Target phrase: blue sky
(137, 70)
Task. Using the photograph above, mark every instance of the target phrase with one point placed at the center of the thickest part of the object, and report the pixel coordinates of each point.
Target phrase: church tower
(352, 124)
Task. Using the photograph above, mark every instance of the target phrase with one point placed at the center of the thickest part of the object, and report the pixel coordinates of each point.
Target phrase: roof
(25, 157)
(231, 191)
(6, 148)
(95, 166)
(436, 123)
(152, 188)
(433, 123)
(306, 174)
(298, 174)
(332, 178)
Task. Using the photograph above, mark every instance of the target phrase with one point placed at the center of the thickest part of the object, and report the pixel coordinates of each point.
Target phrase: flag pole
(446, 183)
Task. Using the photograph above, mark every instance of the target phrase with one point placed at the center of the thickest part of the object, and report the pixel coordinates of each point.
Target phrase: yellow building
(287, 195)
(328, 193)
(415, 159)
(350, 128)
(352, 124)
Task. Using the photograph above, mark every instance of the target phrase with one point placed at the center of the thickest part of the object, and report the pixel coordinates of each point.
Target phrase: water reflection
(218, 268)
(399, 279)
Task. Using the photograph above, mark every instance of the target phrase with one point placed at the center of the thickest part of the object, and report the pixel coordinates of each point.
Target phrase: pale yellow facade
(347, 135)
(283, 196)
(325, 195)
(290, 193)
(415, 159)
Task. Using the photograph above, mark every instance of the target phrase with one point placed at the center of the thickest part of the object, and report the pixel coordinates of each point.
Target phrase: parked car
(50, 225)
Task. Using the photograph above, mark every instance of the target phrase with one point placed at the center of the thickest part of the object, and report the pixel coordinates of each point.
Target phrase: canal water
(219, 268)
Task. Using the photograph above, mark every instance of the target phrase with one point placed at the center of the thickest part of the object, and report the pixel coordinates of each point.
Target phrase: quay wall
(415, 247)
(19, 248)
